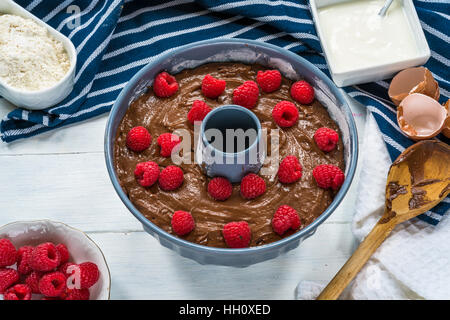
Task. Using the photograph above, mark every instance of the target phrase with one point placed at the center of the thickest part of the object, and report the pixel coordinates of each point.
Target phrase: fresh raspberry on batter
(212, 87)
(45, 257)
(147, 173)
(269, 80)
(76, 294)
(8, 277)
(18, 292)
(8, 253)
(328, 176)
(52, 284)
(165, 85)
(246, 94)
(252, 186)
(182, 222)
(24, 255)
(198, 111)
(220, 188)
(285, 218)
(326, 139)
(167, 142)
(138, 139)
(285, 114)
(171, 178)
(290, 170)
(237, 234)
(32, 281)
(303, 92)
(63, 253)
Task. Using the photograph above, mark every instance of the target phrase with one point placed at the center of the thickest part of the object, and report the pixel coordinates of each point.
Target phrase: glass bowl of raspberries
(47, 260)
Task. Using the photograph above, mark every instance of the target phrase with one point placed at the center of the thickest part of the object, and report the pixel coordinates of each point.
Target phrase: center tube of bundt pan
(230, 143)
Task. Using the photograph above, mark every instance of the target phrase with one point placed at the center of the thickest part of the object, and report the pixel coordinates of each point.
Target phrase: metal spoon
(417, 181)
(385, 8)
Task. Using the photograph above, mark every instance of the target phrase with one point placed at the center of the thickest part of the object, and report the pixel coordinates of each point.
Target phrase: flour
(30, 58)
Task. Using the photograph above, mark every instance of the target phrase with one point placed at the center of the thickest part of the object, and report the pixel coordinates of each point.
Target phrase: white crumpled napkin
(413, 263)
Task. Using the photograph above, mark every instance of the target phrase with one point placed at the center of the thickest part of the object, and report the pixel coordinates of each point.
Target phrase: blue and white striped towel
(118, 37)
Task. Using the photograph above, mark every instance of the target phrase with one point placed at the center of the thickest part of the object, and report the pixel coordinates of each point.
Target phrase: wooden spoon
(417, 181)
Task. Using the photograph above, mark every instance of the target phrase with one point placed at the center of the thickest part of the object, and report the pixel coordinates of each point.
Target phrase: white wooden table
(61, 175)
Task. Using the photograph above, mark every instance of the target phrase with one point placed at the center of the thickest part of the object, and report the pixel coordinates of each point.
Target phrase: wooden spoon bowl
(417, 181)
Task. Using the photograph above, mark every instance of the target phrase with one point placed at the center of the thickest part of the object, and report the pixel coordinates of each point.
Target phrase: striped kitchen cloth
(115, 38)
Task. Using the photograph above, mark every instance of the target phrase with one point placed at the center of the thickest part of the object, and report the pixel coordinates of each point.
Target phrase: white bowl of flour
(37, 63)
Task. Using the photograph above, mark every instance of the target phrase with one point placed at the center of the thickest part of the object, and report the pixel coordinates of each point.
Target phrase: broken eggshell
(446, 129)
(421, 117)
(413, 80)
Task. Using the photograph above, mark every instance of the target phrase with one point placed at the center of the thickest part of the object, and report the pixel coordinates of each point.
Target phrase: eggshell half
(420, 117)
(413, 80)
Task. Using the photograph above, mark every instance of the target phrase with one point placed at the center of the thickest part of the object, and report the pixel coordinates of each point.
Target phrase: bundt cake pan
(291, 66)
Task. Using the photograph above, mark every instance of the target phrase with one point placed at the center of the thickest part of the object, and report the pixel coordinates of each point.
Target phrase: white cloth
(413, 263)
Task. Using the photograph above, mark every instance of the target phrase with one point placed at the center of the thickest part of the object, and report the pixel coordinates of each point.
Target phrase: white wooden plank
(76, 189)
(76, 138)
(143, 269)
(71, 188)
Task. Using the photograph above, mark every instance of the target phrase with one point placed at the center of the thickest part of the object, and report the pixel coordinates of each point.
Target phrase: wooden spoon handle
(359, 258)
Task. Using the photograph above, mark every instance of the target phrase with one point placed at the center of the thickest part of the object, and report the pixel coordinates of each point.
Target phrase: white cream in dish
(358, 38)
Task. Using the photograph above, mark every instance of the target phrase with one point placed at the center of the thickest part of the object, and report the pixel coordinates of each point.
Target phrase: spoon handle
(385, 8)
(359, 258)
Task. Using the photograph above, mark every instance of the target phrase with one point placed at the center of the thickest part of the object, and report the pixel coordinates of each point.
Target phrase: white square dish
(379, 71)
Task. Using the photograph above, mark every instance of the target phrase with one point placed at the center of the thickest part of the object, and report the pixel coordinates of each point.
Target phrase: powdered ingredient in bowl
(30, 58)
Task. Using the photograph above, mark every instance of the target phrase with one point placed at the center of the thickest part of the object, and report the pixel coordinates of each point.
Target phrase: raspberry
(269, 80)
(220, 188)
(303, 92)
(252, 186)
(138, 139)
(89, 274)
(198, 111)
(8, 277)
(52, 284)
(237, 234)
(8, 253)
(18, 292)
(171, 178)
(290, 170)
(246, 95)
(45, 257)
(326, 139)
(182, 223)
(285, 114)
(63, 268)
(63, 253)
(165, 85)
(285, 218)
(328, 176)
(24, 255)
(212, 87)
(77, 294)
(32, 281)
(146, 173)
(167, 142)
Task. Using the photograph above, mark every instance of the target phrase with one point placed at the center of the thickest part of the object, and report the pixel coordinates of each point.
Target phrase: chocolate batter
(165, 115)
